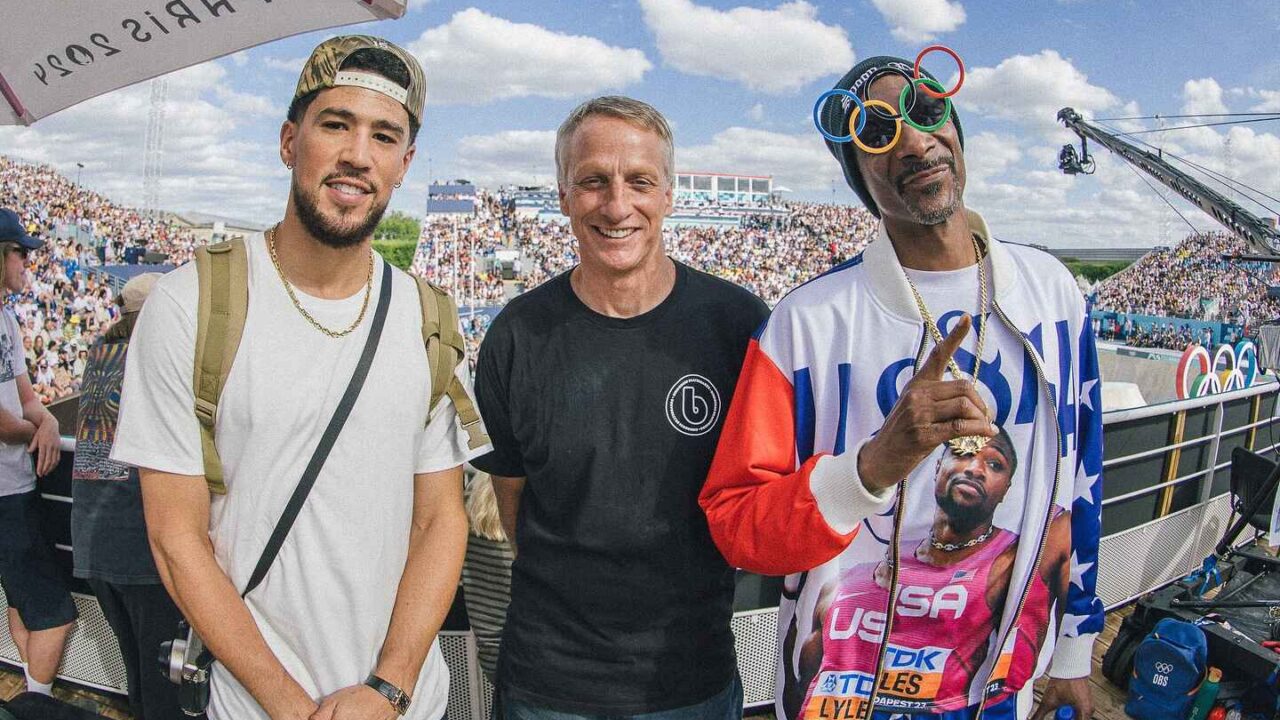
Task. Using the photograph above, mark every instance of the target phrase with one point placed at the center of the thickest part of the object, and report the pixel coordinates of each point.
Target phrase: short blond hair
(482, 509)
(638, 113)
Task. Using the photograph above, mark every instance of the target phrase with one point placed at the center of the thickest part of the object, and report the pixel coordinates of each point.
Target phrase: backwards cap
(324, 70)
(836, 111)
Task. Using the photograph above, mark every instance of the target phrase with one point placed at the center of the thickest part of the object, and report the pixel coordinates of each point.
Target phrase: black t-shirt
(621, 602)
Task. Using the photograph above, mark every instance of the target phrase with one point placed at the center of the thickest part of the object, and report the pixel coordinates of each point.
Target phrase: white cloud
(1030, 89)
(773, 51)
(476, 58)
(293, 66)
(1269, 101)
(917, 21)
(1203, 97)
(799, 162)
(989, 155)
(756, 113)
(418, 4)
(508, 157)
(207, 165)
(1264, 100)
(247, 104)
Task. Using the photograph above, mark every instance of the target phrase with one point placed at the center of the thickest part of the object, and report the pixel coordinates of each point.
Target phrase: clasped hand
(358, 702)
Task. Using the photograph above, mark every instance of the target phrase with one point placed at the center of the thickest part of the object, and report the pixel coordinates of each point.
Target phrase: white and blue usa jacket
(784, 497)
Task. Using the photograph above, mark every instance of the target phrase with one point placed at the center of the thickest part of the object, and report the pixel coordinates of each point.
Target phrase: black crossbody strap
(326, 441)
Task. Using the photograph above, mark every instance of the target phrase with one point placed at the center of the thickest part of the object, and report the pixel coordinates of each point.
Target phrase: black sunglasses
(922, 108)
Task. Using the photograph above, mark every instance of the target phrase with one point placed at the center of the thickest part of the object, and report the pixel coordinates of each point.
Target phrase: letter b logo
(693, 405)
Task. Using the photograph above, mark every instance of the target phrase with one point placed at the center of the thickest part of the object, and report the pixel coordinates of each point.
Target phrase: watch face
(401, 703)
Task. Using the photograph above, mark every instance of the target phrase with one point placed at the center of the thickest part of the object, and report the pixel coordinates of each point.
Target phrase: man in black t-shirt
(604, 391)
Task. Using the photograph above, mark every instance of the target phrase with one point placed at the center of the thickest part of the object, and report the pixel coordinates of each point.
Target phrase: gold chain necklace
(967, 444)
(364, 306)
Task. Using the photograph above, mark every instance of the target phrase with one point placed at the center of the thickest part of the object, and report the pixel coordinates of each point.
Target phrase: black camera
(185, 662)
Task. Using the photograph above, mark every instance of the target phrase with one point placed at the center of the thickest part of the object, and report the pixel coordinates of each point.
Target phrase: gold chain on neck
(952, 547)
(364, 306)
(968, 444)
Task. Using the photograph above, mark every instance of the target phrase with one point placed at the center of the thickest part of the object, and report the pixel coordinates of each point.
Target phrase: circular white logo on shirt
(693, 405)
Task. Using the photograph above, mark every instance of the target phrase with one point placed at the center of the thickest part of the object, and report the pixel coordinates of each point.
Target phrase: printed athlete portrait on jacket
(953, 582)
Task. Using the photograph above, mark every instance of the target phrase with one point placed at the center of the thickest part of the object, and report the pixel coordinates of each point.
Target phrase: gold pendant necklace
(364, 306)
(964, 445)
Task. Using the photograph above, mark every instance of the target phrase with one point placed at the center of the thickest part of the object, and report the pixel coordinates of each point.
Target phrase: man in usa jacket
(938, 338)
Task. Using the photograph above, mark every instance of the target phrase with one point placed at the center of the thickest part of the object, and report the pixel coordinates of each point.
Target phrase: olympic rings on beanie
(817, 120)
(917, 83)
(897, 128)
(959, 64)
(924, 84)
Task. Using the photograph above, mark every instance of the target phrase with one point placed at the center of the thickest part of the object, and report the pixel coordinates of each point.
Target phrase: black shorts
(31, 579)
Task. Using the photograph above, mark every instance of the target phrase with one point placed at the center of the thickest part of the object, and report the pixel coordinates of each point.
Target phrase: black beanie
(835, 116)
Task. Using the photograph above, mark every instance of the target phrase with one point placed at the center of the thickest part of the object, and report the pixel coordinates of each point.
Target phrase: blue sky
(737, 78)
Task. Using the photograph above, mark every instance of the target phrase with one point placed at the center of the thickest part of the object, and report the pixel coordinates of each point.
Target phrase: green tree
(1094, 271)
(396, 252)
(398, 226)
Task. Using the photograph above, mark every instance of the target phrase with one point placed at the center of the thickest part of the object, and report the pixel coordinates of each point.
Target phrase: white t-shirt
(326, 602)
(16, 473)
(1002, 385)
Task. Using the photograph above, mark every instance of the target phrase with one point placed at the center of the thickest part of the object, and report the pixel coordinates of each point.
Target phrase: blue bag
(1168, 667)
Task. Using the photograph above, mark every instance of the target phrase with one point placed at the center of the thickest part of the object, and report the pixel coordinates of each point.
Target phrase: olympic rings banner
(924, 113)
(1229, 368)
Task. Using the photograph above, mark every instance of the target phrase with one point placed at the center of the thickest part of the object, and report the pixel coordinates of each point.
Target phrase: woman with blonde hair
(486, 575)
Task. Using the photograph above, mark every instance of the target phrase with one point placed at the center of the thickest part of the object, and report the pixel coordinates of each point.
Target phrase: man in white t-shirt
(41, 612)
(345, 621)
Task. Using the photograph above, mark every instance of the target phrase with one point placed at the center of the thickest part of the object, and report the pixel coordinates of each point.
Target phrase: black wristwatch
(394, 695)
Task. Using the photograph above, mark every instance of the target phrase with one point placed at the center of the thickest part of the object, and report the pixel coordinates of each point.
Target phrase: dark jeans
(724, 705)
(142, 617)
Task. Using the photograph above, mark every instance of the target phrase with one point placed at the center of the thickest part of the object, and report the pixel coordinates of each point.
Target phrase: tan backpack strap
(223, 272)
(445, 349)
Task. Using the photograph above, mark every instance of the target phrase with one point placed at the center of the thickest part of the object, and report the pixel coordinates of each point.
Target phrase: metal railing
(1154, 542)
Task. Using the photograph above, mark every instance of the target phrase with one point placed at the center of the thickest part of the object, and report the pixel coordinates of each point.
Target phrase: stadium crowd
(1151, 334)
(769, 253)
(66, 306)
(1194, 281)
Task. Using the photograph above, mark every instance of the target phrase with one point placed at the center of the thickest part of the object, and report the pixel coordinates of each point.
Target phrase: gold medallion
(967, 445)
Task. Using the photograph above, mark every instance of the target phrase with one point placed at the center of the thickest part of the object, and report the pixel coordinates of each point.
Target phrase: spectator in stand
(65, 300)
(40, 612)
(108, 533)
(1192, 281)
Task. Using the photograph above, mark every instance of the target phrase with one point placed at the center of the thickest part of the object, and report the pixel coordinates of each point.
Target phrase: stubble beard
(325, 229)
(929, 195)
(962, 518)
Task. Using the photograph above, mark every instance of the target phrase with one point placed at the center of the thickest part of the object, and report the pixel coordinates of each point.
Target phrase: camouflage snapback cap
(324, 70)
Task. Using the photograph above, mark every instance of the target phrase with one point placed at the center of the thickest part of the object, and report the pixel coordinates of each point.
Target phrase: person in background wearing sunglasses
(924, 344)
(41, 612)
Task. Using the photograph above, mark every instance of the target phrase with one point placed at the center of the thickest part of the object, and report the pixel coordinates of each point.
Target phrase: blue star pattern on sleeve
(1084, 611)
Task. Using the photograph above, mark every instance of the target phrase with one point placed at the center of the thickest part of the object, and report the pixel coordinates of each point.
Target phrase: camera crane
(1259, 233)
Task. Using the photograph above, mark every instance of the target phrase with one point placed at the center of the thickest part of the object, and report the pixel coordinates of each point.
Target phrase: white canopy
(54, 55)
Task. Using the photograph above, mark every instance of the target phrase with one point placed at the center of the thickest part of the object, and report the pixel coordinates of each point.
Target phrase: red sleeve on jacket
(761, 512)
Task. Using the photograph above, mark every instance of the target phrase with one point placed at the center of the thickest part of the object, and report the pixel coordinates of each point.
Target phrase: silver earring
(397, 184)
(288, 166)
